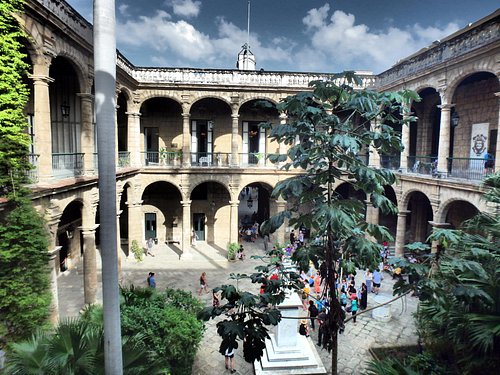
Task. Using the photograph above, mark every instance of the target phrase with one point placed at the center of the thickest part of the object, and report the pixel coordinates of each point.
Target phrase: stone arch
(420, 215)
(77, 63)
(161, 212)
(444, 208)
(258, 193)
(405, 198)
(463, 74)
(258, 97)
(145, 96)
(68, 234)
(211, 96)
(211, 212)
(142, 189)
(127, 93)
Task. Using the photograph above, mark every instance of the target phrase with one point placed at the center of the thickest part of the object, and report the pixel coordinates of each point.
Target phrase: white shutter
(210, 132)
(245, 143)
(262, 145)
(194, 142)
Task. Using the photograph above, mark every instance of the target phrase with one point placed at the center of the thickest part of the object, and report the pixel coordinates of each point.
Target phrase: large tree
(14, 139)
(327, 132)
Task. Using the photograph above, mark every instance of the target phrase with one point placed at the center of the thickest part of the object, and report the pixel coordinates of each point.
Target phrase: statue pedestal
(288, 352)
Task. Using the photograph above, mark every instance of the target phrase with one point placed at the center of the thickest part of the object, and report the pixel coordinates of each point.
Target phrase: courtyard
(171, 272)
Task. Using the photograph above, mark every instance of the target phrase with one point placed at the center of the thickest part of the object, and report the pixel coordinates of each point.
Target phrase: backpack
(313, 310)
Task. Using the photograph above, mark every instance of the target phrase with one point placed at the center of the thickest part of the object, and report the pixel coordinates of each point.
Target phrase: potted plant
(232, 249)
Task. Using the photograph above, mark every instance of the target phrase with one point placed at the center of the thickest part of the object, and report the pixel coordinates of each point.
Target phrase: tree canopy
(329, 131)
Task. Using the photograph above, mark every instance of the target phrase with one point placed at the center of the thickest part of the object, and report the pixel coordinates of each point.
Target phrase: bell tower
(246, 59)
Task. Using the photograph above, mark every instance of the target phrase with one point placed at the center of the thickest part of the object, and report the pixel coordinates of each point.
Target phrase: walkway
(353, 343)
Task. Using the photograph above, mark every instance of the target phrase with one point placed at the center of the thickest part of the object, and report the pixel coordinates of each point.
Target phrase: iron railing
(32, 174)
(67, 164)
(209, 159)
(391, 162)
(426, 165)
(123, 159)
(470, 168)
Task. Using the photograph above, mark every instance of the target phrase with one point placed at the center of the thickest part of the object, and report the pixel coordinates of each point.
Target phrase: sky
(285, 35)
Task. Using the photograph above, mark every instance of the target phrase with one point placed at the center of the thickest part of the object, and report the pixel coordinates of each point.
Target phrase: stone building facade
(188, 141)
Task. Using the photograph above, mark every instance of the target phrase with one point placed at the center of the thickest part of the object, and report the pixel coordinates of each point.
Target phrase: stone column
(235, 139)
(87, 137)
(497, 154)
(134, 138)
(89, 265)
(444, 139)
(405, 140)
(233, 229)
(186, 231)
(400, 233)
(42, 126)
(282, 148)
(373, 155)
(372, 213)
(135, 224)
(54, 305)
(119, 243)
(186, 140)
(280, 232)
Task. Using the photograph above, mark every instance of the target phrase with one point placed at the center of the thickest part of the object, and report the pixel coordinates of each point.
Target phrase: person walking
(368, 280)
(149, 244)
(229, 359)
(266, 242)
(377, 280)
(354, 309)
(313, 313)
(322, 316)
(151, 280)
(364, 297)
(203, 283)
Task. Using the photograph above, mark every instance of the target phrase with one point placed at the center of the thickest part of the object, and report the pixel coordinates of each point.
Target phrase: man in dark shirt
(321, 321)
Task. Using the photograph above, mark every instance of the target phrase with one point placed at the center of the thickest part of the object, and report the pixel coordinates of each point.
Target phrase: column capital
(235, 116)
(134, 204)
(497, 94)
(133, 114)
(186, 203)
(439, 225)
(85, 96)
(234, 203)
(283, 116)
(88, 231)
(186, 115)
(403, 213)
(446, 106)
(40, 79)
(53, 252)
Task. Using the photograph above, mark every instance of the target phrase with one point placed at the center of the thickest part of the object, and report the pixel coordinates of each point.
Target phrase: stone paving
(172, 272)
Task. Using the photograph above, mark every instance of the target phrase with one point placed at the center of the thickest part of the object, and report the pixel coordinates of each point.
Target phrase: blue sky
(285, 35)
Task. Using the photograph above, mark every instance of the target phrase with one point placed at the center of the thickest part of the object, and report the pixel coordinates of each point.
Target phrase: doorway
(199, 226)
(150, 225)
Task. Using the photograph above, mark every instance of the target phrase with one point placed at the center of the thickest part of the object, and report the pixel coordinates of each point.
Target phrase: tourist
(343, 298)
(292, 237)
(368, 280)
(300, 238)
(241, 255)
(203, 283)
(215, 298)
(151, 280)
(266, 242)
(377, 280)
(303, 328)
(312, 313)
(363, 302)
(194, 238)
(322, 317)
(149, 246)
(317, 284)
(354, 309)
(305, 295)
(229, 359)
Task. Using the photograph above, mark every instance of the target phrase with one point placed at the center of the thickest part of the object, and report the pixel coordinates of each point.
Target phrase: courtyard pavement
(175, 273)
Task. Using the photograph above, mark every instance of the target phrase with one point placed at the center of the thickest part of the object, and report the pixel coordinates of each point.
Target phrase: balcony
(474, 169)
(32, 174)
(65, 165)
(423, 165)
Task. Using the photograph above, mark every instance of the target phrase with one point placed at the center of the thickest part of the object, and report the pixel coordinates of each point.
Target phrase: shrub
(137, 251)
(232, 249)
(168, 322)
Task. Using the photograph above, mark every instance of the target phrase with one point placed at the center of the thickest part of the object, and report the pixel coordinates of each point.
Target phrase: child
(354, 309)
(343, 298)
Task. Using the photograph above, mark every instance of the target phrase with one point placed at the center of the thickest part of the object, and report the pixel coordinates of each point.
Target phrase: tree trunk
(105, 86)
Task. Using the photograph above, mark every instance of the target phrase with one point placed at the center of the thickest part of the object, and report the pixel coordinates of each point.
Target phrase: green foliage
(24, 275)
(459, 288)
(334, 125)
(420, 364)
(232, 249)
(168, 322)
(77, 347)
(137, 251)
(14, 140)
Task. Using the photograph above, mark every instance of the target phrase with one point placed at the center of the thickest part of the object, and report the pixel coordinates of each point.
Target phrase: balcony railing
(470, 168)
(426, 165)
(67, 164)
(256, 159)
(207, 159)
(391, 162)
(123, 159)
(32, 174)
